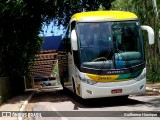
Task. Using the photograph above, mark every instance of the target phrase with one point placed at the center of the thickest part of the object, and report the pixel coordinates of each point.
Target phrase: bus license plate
(116, 91)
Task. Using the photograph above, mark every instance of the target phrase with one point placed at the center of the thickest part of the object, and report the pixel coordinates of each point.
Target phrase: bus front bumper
(91, 91)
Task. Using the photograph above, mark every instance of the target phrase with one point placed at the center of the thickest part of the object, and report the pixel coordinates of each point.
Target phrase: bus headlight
(88, 81)
(141, 77)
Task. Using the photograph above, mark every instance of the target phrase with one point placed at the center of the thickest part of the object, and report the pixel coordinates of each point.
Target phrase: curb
(24, 105)
(153, 89)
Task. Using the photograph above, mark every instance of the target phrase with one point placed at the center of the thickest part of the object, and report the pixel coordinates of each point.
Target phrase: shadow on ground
(60, 96)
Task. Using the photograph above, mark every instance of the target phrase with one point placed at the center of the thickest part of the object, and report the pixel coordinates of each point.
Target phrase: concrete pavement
(18, 103)
(15, 104)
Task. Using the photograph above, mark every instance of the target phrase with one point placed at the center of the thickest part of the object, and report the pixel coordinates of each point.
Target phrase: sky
(51, 30)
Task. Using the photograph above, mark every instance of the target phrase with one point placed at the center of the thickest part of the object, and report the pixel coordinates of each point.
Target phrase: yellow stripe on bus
(103, 78)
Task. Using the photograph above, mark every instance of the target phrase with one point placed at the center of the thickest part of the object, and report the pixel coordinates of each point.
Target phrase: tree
(65, 9)
(20, 23)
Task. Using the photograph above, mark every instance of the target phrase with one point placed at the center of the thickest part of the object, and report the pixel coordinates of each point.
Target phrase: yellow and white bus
(105, 54)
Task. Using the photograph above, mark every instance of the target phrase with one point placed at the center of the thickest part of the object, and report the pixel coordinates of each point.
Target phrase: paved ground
(16, 103)
(65, 106)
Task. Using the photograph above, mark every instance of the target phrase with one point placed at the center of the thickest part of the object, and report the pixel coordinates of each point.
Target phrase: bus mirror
(74, 40)
(150, 33)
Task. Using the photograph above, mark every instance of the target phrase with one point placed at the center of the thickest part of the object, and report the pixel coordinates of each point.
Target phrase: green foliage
(122, 5)
(65, 9)
(154, 74)
(20, 23)
(56, 68)
(143, 9)
(101, 8)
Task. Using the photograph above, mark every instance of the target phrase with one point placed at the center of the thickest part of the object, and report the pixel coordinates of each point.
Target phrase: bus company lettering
(104, 78)
(115, 72)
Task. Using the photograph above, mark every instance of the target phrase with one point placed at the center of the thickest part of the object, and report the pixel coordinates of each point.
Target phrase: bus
(103, 54)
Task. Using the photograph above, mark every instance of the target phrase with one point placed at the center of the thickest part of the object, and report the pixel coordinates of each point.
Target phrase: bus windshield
(110, 45)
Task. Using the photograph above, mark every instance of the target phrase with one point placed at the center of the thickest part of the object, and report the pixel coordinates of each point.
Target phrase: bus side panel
(63, 66)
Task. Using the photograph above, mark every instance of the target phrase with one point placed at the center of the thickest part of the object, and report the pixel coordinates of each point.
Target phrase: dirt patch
(154, 85)
(152, 93)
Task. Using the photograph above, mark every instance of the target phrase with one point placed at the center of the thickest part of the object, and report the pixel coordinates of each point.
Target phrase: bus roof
(103, 16)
